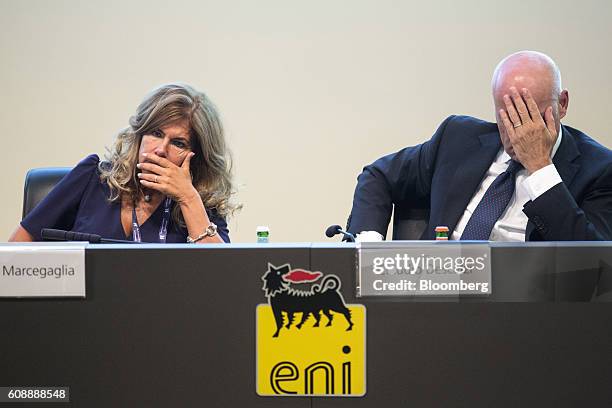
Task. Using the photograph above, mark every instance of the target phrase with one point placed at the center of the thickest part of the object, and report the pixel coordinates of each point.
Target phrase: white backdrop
(309, 92)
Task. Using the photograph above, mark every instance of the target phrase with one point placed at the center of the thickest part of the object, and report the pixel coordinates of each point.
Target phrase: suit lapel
(467, 177)
(563, 160)
(565, 156)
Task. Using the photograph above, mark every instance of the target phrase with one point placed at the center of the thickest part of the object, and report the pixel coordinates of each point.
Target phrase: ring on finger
(158, 176)
(519, 125)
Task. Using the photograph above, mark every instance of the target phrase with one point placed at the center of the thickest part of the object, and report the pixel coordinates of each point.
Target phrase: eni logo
(321, 298)
(309, 341)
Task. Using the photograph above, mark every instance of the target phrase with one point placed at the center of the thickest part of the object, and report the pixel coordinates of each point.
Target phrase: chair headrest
(38, 183)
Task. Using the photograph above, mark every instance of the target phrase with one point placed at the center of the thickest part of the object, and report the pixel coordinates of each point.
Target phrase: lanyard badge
(163, 229)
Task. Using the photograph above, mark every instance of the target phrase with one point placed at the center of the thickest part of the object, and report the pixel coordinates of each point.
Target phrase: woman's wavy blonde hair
(211, 167)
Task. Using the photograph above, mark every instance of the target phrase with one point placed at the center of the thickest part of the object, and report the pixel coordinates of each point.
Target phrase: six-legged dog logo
(323, 297)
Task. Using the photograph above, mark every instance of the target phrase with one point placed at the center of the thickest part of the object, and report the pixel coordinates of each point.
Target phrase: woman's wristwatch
(210, 231)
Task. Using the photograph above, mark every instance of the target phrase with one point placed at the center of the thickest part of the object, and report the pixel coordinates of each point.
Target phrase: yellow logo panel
(323, 360)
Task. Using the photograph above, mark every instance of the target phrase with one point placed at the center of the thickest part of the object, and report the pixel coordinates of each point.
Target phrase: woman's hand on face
(168, 178)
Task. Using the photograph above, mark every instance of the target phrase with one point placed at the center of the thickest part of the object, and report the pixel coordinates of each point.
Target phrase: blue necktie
(492, 205)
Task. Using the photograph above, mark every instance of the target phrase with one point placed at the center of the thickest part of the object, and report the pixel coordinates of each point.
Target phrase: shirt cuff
(541, 181)
(368, 236)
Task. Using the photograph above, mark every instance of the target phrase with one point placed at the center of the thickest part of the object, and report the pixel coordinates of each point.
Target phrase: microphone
(49, 234)
(333, 230)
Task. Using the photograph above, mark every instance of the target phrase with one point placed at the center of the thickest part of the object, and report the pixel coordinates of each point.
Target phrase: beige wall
(310, 91)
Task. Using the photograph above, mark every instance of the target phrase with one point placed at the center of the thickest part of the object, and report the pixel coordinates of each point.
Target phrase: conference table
(175, 325)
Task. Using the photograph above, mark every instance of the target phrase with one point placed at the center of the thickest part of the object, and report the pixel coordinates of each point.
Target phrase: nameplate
(42, 269)
(434, 268)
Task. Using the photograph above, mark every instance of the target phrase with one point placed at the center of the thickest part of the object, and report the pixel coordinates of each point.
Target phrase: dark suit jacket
(443, 174)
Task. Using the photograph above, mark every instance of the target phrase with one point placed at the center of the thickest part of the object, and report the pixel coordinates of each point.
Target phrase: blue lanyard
(163, 230)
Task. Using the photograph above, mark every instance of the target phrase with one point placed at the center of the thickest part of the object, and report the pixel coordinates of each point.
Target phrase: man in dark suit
(526, 178)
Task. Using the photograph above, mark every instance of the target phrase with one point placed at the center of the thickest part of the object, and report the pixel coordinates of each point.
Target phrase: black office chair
(38, 183)
(409, 222)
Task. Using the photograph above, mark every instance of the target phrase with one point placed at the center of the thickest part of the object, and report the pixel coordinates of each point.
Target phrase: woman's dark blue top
(80, 203)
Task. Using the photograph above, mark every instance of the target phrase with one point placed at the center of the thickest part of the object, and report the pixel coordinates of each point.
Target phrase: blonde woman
(167, 178)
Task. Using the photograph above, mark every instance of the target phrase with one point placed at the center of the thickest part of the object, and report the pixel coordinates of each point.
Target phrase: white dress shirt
(512, 224)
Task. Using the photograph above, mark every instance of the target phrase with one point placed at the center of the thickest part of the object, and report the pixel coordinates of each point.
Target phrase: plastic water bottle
(441, 233)
(263, 234)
